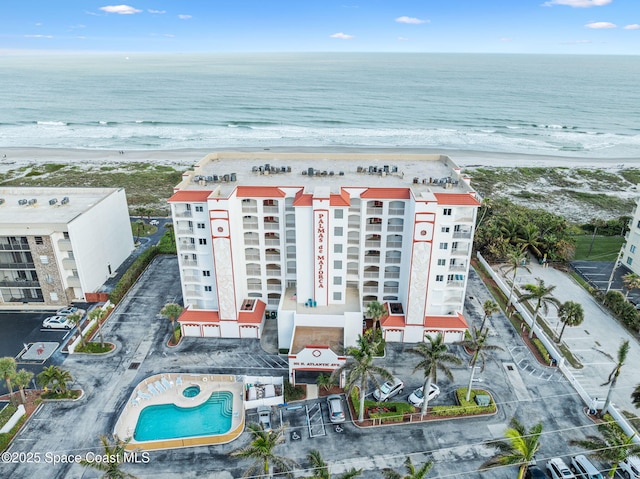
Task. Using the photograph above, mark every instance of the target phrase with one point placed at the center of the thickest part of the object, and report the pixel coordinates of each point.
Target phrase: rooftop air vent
(22, 202)
(32, 201)
(53, 201)
(1, 201)
(65, 200)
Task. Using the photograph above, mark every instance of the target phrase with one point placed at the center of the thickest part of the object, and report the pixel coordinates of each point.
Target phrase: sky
(609, 27)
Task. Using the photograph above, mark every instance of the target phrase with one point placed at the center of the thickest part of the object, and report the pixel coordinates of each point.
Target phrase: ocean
(575, 106)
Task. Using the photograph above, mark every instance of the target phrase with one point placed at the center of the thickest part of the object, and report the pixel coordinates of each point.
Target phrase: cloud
(578, 3)
(600, 25)
(38, 24)
(576, 42)
(38, 36)
(168, 35)
(411, 20)
(506, 39)
(341, 36)
(403, 39)
(182, 16)
(120, 9)
(158, 12)
(633, 26)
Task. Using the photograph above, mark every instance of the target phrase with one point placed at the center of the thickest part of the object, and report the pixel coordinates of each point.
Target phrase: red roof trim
(457, 322)
(387, 193)
(254, 316)
(189, 196)
(456, 199)
(303, 200)
(342, 199)
(192, 316)
(259, 192)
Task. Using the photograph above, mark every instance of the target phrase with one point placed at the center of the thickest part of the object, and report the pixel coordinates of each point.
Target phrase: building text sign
(321, 257)
(316, 358)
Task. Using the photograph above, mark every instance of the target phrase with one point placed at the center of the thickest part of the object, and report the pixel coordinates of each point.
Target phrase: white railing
(272, 242)
(271, 226)
(395, 227)
(374, 227)
(374, 211)
(396, 211)
(371, 275)
(394, 244)
(372, 259)
(392, 274)
(274, 272)
(393, 260)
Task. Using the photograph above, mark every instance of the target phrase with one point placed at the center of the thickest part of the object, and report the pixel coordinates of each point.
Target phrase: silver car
(336, 411)
(388, 390)
(57, 322)
(264, 417)
(416, 398)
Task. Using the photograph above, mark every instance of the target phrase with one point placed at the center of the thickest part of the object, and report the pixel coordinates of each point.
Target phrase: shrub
(399, 409)
(132, 274)
(291, 392)
(542, 350)
(177, 334)
(6, 437)
(94, 348)
(6, 414)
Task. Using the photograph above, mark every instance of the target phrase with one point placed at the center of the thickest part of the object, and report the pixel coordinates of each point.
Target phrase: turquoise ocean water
(578, 106)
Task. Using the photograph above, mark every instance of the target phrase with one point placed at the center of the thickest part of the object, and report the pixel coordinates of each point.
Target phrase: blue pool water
(191, 391)
(168, 421)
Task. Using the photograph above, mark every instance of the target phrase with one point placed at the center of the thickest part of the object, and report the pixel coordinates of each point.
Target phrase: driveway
(521, 387)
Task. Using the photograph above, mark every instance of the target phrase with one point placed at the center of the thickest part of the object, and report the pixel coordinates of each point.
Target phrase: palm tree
(614, 447)
(635, 396)
(518, 449)
(529, 239)
(571, 314)
(261, 450)
(325, 381)
(321, 468)
(55, 377)
(114, 449)
(7, 370)
(631, 281)
(434, 356)
(542, 294)
(476, 341)
(623, 351)
(375, 311)
(489, 307)
(515, 260)
(98, 314)
(412, 472)
(76, 320)
(360, 371)
(171, 311)
(21, 379)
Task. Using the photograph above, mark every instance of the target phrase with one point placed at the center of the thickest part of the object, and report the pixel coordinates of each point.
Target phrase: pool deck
(167, 389)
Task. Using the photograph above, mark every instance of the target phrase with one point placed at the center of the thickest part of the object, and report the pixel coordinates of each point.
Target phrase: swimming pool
(191, 391)
(168, 421)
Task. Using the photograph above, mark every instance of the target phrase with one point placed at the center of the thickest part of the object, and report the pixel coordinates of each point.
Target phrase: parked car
(69, 310)
(630, 467)
(264, 417)
(582, 467)
(57, 322)
(534, 472)
(336, 411)
(154, 222)
(417, 397)
(388, 390)
(558, 469)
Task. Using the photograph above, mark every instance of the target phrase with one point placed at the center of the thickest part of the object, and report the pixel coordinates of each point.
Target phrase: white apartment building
(313, 238)
(57, 245)
(631, 249)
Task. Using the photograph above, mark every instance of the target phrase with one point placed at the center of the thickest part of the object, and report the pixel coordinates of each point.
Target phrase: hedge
(6, 414)
(542, 350)
(132, 274)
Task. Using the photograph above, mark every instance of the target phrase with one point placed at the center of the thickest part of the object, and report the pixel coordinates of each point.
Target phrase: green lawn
(605, 248)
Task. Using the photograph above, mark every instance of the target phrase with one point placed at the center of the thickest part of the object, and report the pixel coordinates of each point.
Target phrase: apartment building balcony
(457, 267)
(463, 217)
(251, 241)
(273, 257)
(17, 265)
(460, 252)
(271, 225)
(69, 263)
(64, 245)
(395, 227)
(249, 209)
(369, 289)
(290, 224)
(372, 259)
(396, 211)
(19, 246)
(270, 209)
(189, 278)
(73, 281)
(250, 225)
(374, 227)
(352, 272)
(19, 283)
(187, 246)
(390, 290)
(353, 224)
(392, 274)
(462, 234)
(455, 283)
(274, 270)
(374, 210)
(189, 262)
(274, 287)
(274, 241)
(252, 257)
(182, 230)
(394, 244)
(373, 243)
(254, 287)
(353, 256)
(184, 214)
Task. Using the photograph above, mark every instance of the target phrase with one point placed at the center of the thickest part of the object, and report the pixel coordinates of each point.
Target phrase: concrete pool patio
(164, 389)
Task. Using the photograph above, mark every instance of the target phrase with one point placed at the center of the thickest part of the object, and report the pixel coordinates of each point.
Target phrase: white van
(582, 467)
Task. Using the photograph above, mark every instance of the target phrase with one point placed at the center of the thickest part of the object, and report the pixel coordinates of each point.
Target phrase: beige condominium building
(312, 238)
(57, 245)
(631, 249)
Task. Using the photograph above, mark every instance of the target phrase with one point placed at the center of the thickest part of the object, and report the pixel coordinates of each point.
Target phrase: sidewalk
(595, 342)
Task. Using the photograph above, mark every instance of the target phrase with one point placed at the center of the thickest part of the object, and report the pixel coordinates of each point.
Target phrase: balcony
(189, 262)
(254, 257)
(353, 224)
(270, 209)
(20, 246)
(395, 227)
(185, 231)
(274, 272)
(352, 272)
(290, 239)
(391, 274)
(273, 257)
(376, 210)
(273, 241)
(271, 225)
(184, 214)
(252, 241)
(396, 211)
(464, 218)
(73, 281)
(353, 256)
(373, 243)
(19, 283)
(69, 263)
(372, 259)
(462, 234)
(249, 208)
(394, 244)
(250, 225)
(253, 272)
(291, 255)
(457, 267)
(254, 287)
(187, 246)
(369, 289)
(455, 283)
(393, 260)
(290, 224)
(374, 227)
(64, 245)
(390, 290)
(460, 252)
(17, 266)
(371, 274)
(191, 279)
(274, 287)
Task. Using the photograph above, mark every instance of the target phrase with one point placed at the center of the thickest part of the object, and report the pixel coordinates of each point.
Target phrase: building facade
(57, 245)
(631, 249)
(313, 238)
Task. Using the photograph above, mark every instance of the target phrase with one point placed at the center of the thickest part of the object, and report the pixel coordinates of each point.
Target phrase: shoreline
(13, 157)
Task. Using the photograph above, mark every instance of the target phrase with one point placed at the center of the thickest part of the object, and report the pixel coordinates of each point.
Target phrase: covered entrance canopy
(315, 349)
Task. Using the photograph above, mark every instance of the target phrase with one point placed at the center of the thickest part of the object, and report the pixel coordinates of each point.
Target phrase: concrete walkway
(595, 342)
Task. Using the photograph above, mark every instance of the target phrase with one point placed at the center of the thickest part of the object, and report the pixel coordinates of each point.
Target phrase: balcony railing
(395, 227)
(396, 211)
(460, 251)
(353, 224)
(291, 256)
(255, 257)
(184, 214)
(374, 227)
(369, 289)
(455, 283)
(19, 246)
(373, 244)
(191, 279)
(250, 209)
(392, 274)
(17, 265)
(272, 242)
(352, 271)
(374, 211)
(353, 256)
(254, 287)
(273, 302)
(187, 246)
(462, 234)
(463, 219)
(253, 272)
(273, 287)
(189, 262)
(252, 225)
(372, 259)
(73, 281)
(370, 274)
(290, 224)
(353, 241)
(291, 239)
(252, 241)
(394, 244)
(270, 209)
(390, 290)
(457, 267)
(393, 260)
(271, 226)
(274, 272)
(64, 245)
(17, 283)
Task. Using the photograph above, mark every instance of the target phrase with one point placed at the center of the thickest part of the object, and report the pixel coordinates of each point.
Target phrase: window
(446, 212)
(65, 235)
(53, 296)
(203, 240)
(439, 277)
(206, 273)
(444, 229)
(200, 226)
(38, 239)
(338, 214)
(442, 262)
(629, 261)
(337, 280)
(199, 209)
(337, 248)
(207, 288)
(337, 296)
(44, 259)
(632, 248)
(444, 245)
(337, 231)
(337, 264)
